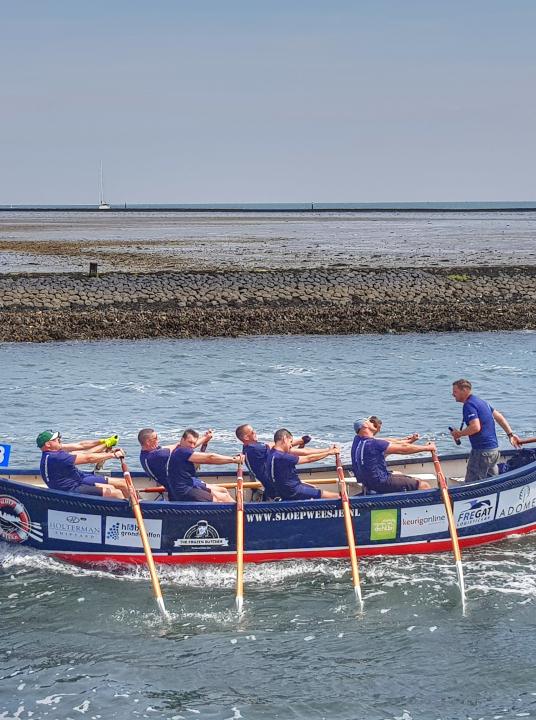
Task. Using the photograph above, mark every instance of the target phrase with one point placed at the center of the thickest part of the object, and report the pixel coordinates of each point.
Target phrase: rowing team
(273, 464)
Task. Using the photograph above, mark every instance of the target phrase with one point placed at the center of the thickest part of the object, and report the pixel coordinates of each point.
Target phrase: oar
(144, 539)
(252, 484)
(452, 525)
(239, 538)
(349, 528)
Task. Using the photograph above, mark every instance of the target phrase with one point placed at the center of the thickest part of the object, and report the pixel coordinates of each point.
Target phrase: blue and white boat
(95, 531)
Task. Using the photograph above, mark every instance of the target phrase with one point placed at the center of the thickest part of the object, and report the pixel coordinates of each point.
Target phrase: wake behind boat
(91, 530)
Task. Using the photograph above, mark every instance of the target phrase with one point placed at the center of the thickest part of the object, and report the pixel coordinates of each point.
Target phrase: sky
(224, 101)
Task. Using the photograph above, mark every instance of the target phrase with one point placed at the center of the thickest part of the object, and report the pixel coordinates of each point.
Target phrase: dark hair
(241, 431)
(190, 431)
(282, 434)
(463, 384)
(144, 435)
(375, 420)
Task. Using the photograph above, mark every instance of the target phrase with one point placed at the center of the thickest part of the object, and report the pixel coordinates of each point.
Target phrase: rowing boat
(90, 530)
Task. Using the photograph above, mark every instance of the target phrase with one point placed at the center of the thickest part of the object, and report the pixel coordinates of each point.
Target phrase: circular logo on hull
(15, 523)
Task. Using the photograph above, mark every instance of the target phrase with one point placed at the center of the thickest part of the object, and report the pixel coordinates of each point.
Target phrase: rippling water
(82, 643)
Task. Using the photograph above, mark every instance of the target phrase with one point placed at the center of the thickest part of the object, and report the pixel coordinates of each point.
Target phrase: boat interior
(323, 476)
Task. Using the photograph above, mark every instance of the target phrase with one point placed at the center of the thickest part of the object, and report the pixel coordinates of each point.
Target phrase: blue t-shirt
(59, 471)
(282, 468)
(474, 408)
(155, 463)
(256, 461)
(181, 473)
(368, 461)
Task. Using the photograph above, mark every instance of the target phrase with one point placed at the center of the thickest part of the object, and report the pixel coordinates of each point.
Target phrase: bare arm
(204, 458)
(97, 445)
(408, 448)
(408, 439)
(304, 452)
(471, 429)
(317, 455)
(503, 422)
(82, 458)
(526, 441)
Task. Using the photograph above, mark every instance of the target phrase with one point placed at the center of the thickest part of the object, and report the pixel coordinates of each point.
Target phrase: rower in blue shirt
(282, 463)
(480, 417)
(256, 454)
(59, 461)
(369, 460)
(155, 460)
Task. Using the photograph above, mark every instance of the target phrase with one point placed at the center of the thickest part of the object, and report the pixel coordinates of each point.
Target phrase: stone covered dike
(232, 303)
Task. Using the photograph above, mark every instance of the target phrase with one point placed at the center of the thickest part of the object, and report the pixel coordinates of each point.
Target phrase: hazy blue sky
(274, 101)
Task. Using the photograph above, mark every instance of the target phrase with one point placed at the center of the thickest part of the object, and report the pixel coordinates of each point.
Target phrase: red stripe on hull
(416, 548)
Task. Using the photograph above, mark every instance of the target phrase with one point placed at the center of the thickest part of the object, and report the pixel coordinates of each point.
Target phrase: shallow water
(83, 643)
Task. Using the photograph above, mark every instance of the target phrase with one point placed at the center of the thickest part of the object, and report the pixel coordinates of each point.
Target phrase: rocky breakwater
(334, 300)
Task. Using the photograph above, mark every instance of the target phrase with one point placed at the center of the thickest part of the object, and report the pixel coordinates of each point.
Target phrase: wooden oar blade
(442, 483)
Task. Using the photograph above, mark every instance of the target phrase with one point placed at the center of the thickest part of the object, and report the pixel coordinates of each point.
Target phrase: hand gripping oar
(135, 503)
(239, 538)
(349, 528)
(452, 525)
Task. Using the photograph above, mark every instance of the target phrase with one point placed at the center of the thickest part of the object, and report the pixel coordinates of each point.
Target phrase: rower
(368, 460)
(181, 474)
(256, 454)
(154, 459)
(282, 466)
(58, 462)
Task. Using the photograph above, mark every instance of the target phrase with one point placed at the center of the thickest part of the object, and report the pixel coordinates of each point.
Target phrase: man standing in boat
(368, 460)
(183, 485)
(154, 459)
(58, 461)
(282, 461)
(479, 418)
(256, 454)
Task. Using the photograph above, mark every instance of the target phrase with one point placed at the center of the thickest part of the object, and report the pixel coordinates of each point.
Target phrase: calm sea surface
(79, 643)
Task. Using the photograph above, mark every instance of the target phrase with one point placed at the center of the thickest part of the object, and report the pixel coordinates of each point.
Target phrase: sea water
(85, 643)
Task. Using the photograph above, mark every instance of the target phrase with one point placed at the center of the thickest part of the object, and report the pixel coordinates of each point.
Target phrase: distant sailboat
(103, 205)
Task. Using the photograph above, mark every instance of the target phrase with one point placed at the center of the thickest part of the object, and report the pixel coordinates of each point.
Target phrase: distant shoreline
(433, 207)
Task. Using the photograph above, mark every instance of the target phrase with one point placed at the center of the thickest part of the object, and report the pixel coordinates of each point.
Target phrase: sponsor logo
(201, 535)
(15, 523)
(474, 512)
(124, 531)
(517, 500)
(383, 524)
(423, 520)
(76, 528)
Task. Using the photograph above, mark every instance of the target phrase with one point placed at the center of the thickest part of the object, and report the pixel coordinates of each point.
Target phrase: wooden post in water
(93, 269)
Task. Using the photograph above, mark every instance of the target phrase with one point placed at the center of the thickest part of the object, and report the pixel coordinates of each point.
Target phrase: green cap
(45, 436)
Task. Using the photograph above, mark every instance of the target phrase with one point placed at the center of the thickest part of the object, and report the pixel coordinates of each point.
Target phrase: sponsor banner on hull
(124, 531)
(74, 527)
(425, 520)
(475, 511)
(517, 500)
